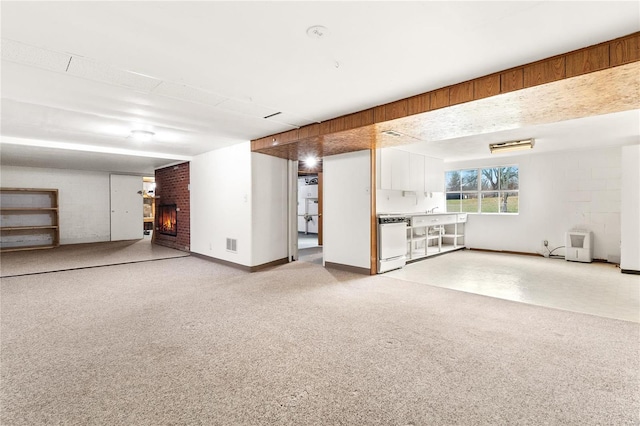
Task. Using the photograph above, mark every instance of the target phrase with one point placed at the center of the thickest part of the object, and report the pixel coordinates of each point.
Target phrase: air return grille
(232, 245)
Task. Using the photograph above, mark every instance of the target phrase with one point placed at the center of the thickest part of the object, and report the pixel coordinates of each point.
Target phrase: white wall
(221, 203)
(84, 212)
(346, 209)
(269, 208)
(630, 204)
(558, 192)
(241, 195)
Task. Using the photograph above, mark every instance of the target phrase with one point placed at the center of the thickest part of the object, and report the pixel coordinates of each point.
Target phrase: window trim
(479, 191)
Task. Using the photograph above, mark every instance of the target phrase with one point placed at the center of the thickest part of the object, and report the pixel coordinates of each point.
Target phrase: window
(486, 190)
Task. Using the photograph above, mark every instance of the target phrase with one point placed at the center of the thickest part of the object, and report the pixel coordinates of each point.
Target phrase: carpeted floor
(185, 341)
(83, 256)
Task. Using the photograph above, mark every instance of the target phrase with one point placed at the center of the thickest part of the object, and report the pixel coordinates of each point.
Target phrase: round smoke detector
(317, 32)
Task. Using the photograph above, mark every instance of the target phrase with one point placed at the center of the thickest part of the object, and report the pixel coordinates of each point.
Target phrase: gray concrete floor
(592, 288)
(307, 240)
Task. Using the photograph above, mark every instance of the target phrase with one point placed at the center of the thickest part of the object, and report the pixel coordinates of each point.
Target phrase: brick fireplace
(172, 224)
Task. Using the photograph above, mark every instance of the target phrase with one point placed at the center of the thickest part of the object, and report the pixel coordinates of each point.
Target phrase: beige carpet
(74, 256)
(189, 342)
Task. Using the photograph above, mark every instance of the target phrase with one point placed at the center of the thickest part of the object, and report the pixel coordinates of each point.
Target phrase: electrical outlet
(545, 243)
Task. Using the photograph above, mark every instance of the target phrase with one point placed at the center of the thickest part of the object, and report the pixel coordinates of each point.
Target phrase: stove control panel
(392, 219)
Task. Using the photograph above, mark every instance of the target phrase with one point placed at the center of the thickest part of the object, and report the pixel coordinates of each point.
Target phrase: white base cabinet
(434, 234)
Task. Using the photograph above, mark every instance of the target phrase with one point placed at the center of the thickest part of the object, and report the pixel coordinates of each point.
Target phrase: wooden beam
(602, 56)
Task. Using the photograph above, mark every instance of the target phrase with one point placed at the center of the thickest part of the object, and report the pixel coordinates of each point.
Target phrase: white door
(126, 208)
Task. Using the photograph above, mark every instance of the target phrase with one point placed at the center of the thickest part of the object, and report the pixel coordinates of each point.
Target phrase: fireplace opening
(168, 219)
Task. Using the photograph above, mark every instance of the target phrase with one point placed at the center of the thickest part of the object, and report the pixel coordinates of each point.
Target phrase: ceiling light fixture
(392, 133)
(142, 135)
(310, 162)
(511, 146)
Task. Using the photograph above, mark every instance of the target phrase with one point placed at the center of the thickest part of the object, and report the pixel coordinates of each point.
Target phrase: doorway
(309, 211)
(148, 205)
(126, 208)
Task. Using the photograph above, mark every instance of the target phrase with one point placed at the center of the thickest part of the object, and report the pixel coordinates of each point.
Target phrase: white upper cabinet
(401, 170)
(433, 175)
(384, 168)
(416, 167)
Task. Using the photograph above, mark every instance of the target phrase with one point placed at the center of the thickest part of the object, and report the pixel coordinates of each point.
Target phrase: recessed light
(142, 135)
(310, 161)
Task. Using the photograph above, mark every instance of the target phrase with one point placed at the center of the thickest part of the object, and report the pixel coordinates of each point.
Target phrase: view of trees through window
(486, 190)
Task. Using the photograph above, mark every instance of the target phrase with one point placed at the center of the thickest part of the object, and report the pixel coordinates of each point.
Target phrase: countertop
(414, 214)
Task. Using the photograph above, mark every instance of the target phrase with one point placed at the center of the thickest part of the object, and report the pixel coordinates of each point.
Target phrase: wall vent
(232, 245)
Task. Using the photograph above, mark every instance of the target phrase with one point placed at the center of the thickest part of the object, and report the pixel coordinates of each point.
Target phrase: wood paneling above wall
(396, 110)
(418, 104)
(460, 93)
(587, 60)
(343, 134)
(624, 50)
(512, 80)
(359, 119)
(544, 72)
(439, 98)
(486, 86)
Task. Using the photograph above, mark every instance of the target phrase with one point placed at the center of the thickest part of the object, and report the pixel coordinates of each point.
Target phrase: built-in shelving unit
(28, 219)
(429, 235)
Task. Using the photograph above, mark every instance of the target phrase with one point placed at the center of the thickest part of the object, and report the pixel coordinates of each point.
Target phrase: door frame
(292, 209)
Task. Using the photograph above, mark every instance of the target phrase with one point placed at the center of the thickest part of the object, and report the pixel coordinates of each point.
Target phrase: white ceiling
(78, 76)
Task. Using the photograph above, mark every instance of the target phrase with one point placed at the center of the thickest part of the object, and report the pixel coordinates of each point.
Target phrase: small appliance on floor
(579, 246)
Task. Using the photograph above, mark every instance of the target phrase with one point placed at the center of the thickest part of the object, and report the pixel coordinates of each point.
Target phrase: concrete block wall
(591, 189)
(83, 197)
(559, 191)
(173, 187)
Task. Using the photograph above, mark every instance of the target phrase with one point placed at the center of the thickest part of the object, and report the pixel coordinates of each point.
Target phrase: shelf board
(48, 246)
(453, 235)
(27, 209)
(451, 247)
(418, 239)
(27, 228)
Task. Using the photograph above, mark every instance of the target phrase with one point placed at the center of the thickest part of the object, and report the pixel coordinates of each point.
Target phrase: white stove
(392, 241)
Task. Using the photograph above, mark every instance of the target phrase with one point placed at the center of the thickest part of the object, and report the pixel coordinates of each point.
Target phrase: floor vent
(232, 245)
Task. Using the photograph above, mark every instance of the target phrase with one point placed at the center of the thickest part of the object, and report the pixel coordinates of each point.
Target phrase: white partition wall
(347, 209)
(630, 215)
(269, 208)
(239, 206)
(221, 204)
